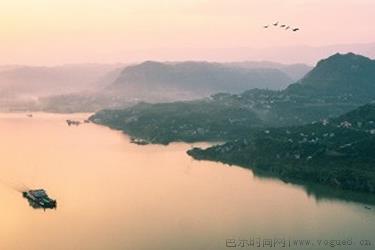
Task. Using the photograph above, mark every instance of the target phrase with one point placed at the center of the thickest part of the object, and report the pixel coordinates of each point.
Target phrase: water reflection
(322, 192)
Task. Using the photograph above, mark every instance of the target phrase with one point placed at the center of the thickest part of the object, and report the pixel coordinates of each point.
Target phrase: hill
(181, 121)
(191, 80)
(347, 75)
(336, 152)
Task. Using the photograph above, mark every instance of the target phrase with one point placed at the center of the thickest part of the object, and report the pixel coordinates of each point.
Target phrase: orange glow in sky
(70, 31)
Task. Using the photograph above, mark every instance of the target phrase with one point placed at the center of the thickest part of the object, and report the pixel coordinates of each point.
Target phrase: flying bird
(283, 26)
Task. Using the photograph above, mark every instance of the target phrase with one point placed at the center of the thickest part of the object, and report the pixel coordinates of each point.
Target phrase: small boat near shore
(73, 122)
(139, 141)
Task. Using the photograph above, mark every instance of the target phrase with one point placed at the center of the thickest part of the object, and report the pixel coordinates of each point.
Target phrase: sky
(49, 32)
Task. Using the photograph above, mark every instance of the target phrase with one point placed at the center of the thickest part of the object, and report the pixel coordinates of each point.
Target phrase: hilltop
(347, 75)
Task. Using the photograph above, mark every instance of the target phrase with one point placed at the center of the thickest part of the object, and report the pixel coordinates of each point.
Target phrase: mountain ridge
(197, 79)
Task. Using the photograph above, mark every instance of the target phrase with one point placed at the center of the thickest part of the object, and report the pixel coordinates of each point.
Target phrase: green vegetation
(338, 152)
(185, 121)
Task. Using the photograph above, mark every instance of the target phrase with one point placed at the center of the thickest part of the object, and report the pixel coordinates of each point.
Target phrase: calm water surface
(115, 195)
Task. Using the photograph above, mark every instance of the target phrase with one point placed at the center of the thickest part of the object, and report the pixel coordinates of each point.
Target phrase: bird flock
(283, 26)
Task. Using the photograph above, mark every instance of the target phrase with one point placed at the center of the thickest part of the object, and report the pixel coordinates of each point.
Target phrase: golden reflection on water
(115, 195)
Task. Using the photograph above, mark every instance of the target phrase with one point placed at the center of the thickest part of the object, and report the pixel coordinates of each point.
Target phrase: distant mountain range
(59, 88)
(89, 87)
(191, 80)
(42, 81)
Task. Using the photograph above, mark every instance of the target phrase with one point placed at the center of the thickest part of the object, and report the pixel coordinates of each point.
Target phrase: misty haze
(187, 124)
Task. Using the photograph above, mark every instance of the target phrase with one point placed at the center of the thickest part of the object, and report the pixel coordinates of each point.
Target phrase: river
(112, 194)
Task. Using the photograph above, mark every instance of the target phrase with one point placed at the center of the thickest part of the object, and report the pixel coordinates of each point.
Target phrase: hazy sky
(71, 31)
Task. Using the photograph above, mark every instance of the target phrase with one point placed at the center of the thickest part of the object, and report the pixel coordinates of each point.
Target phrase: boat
(72, 122)
(38, 198)
(139, 141)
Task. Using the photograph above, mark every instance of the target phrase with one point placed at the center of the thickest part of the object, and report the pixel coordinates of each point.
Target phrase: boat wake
(16, 186)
